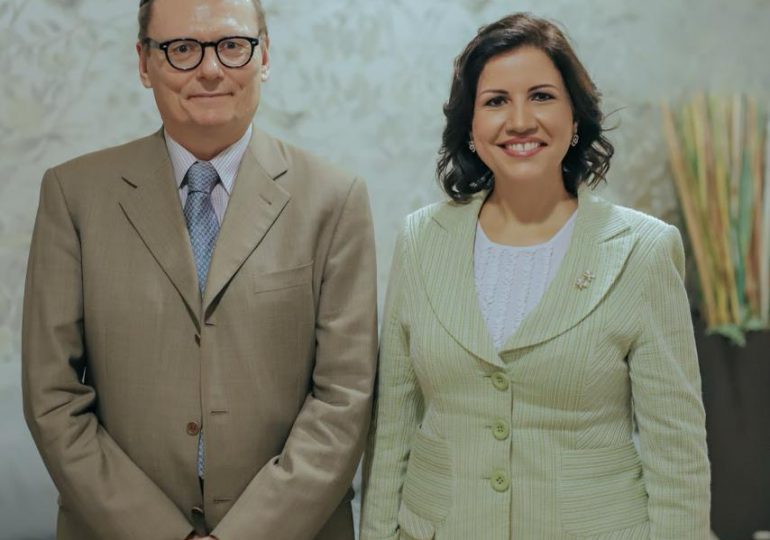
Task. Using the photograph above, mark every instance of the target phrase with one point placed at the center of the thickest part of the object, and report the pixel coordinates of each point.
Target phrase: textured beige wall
(361, 82)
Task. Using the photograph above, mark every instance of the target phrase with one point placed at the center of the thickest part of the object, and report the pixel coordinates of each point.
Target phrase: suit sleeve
(103, 489)
(294, 494)
(666, 389)
(398, 408)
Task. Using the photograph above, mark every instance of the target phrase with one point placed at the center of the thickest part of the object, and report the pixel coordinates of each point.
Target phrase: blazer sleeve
(398, 409)
(666, 389)
(102, 487)
(295, 493)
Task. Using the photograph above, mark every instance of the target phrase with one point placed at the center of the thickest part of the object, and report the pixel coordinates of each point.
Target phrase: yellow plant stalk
(722, 178)
(694, 225)
(716, 165)
(754, 148)
(692, 137)
(717, 211)
(757, 173)
(764, 257)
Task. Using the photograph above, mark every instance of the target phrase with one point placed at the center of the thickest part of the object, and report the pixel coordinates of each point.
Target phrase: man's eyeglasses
(186, 54)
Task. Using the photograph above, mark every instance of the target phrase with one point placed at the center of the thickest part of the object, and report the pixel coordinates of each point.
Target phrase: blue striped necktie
(203, 226)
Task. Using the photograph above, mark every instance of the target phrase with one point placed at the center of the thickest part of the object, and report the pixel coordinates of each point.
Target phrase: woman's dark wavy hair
(460, 171)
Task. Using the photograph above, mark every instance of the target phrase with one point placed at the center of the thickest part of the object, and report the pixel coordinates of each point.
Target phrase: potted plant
(717, 149)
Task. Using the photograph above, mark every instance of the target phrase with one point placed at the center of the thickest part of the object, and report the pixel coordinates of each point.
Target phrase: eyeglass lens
(232, 52)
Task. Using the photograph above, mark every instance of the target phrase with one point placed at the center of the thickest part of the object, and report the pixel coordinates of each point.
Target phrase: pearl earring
(265, 73)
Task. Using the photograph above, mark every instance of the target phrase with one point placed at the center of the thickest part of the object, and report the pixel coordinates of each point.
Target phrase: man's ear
(143, 58)
(264, 46)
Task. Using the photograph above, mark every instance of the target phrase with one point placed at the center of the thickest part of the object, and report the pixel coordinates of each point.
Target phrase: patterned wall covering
(360, 82)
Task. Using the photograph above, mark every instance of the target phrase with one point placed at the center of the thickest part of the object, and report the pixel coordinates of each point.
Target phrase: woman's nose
(521, 118)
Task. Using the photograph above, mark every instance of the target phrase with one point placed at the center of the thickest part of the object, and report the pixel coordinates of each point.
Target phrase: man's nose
(210, 67)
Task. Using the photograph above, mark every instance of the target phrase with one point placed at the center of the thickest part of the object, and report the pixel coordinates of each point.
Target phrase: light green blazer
(534, 442)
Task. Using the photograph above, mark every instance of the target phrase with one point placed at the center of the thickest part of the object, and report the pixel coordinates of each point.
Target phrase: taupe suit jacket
(123, 360)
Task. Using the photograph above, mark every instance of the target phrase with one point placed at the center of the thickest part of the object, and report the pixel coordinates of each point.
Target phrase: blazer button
(499, 481)
(193, 428)
(500, 430)
(500, 381)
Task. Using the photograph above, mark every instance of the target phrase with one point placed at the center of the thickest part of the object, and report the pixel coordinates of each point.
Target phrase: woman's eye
(541, 96)
(495, 101)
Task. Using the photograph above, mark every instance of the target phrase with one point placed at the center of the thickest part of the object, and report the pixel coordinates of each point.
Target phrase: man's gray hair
(145, 13)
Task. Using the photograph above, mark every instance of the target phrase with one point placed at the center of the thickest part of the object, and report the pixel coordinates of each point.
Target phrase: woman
(528, 323)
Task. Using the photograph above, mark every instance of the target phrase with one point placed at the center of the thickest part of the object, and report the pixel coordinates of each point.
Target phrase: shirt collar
(226, 163)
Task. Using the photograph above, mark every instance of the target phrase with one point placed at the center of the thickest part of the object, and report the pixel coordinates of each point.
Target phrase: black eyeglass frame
(164, 46)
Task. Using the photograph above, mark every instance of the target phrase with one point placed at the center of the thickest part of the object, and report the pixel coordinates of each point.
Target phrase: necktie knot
(201, 177)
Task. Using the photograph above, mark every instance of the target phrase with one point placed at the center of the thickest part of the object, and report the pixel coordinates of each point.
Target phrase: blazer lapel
(154, 210)
(255, 203)
(448, 277)
(600, 245)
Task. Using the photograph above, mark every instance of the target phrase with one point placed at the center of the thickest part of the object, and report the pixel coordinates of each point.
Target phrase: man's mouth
(209, 96)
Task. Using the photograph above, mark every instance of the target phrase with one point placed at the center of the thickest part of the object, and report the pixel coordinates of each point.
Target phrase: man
(199, 317)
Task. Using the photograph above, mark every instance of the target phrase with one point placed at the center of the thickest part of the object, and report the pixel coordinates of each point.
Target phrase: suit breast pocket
(283, 311)
(602, 490)
(283, 279)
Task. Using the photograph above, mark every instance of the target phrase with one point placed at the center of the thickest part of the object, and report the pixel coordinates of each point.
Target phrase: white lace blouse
(511, 280)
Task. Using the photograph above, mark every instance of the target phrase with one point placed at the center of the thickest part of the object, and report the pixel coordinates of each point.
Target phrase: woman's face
(522, 117)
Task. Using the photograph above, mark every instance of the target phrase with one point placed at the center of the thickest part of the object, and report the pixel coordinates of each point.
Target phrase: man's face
(211, 98)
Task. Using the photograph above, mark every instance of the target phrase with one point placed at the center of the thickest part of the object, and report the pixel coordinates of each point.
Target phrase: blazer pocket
(428, 487)
(413, 527)
(602, 490)
(284, 279)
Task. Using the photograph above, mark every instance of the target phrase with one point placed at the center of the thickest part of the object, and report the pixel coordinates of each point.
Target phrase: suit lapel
(600, 245)
(255, 203)
(154, 210)
(448, 277)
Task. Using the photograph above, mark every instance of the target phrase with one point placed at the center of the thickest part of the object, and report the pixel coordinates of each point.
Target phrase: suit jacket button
(499, 481)
(193, 428)
(501, 430)
(500, 381)
(198, 519)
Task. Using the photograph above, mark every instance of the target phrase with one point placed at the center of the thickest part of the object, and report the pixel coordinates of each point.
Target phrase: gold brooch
(585, 280)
